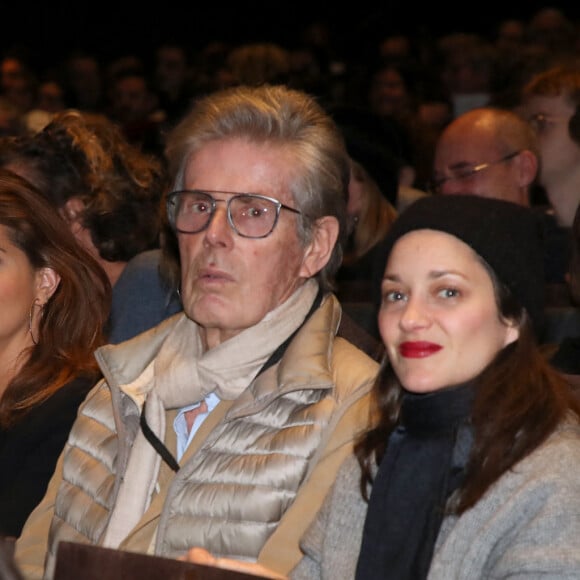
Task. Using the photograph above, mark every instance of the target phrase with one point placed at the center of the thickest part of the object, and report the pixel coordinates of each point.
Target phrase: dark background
(51, 29)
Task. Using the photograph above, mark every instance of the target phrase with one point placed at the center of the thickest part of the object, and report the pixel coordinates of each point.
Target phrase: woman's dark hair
(574, 266)
(519, 401)
(73, 319)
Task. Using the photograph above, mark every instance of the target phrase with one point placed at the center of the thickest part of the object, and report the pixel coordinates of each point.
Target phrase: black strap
(160, 447)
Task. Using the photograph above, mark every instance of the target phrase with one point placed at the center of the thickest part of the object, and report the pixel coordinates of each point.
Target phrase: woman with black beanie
(471, 469)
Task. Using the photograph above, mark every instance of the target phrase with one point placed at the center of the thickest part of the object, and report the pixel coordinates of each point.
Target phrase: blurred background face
(132, 99)
(85, 81)
(17, 84)
(560, 152)
(550, 117)
(229, 282)
(170, 68)
(388, 93)
(50, 97)
(439, 319)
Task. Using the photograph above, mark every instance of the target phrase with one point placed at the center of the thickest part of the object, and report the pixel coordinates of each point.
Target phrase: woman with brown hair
(54, 302)
(472, 470)
(109, 193)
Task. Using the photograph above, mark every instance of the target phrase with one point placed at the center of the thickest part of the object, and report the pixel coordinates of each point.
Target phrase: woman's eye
(448, 293)
(393, 296)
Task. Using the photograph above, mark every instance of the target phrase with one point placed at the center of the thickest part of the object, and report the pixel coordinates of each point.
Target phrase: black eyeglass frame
(171, 207)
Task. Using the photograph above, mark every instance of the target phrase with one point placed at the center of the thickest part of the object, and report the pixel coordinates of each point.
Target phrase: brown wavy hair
(520, 400)
(85, 155)
(74, 318)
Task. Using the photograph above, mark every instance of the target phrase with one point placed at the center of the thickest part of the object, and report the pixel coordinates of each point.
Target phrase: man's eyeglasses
(540, 122)
(250, 215)
(464, 172)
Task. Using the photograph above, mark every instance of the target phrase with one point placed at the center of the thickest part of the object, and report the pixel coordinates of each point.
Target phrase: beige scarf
(182, 374)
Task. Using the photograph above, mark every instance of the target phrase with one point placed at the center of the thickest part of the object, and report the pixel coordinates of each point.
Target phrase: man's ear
(47, 281)
(320, 249)
(528, 167)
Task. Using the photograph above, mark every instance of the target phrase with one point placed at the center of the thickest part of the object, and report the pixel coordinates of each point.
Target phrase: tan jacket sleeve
(281, 552)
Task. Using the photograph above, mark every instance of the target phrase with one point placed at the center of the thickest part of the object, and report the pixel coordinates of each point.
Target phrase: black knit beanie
(506, 235)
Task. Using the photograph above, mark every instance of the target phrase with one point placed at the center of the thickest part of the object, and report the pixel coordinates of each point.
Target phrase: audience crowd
(419, 80)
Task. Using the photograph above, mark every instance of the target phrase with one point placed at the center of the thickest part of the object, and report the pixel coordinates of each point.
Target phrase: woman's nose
(414, 315)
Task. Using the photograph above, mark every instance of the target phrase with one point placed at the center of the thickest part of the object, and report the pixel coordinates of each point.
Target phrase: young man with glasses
(224, 426)
(551, 102)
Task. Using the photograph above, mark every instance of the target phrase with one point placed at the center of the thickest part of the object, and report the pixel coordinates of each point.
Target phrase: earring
(31, 318)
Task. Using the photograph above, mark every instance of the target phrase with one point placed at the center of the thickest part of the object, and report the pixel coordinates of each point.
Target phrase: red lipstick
(418, 349)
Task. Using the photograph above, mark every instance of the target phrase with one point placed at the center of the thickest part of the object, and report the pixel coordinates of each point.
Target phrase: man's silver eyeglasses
(466, 171)
(250, 215)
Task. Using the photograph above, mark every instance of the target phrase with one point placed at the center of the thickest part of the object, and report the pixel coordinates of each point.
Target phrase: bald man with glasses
(487, 152)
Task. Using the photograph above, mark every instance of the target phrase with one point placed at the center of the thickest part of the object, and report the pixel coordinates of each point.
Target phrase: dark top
(356, 280)
(567, 357)
(423, 464)
(557, 248)
(29, 451)
(359, 288)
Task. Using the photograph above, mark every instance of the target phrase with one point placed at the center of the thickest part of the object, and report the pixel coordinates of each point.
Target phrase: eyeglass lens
(250, 216)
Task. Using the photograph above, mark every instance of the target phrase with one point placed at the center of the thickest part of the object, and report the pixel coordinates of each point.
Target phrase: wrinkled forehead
(241, 165)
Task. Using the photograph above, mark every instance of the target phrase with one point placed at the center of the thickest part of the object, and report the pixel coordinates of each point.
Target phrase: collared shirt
(180, 423)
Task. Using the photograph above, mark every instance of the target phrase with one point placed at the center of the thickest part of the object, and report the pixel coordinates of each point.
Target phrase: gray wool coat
(527, 525)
